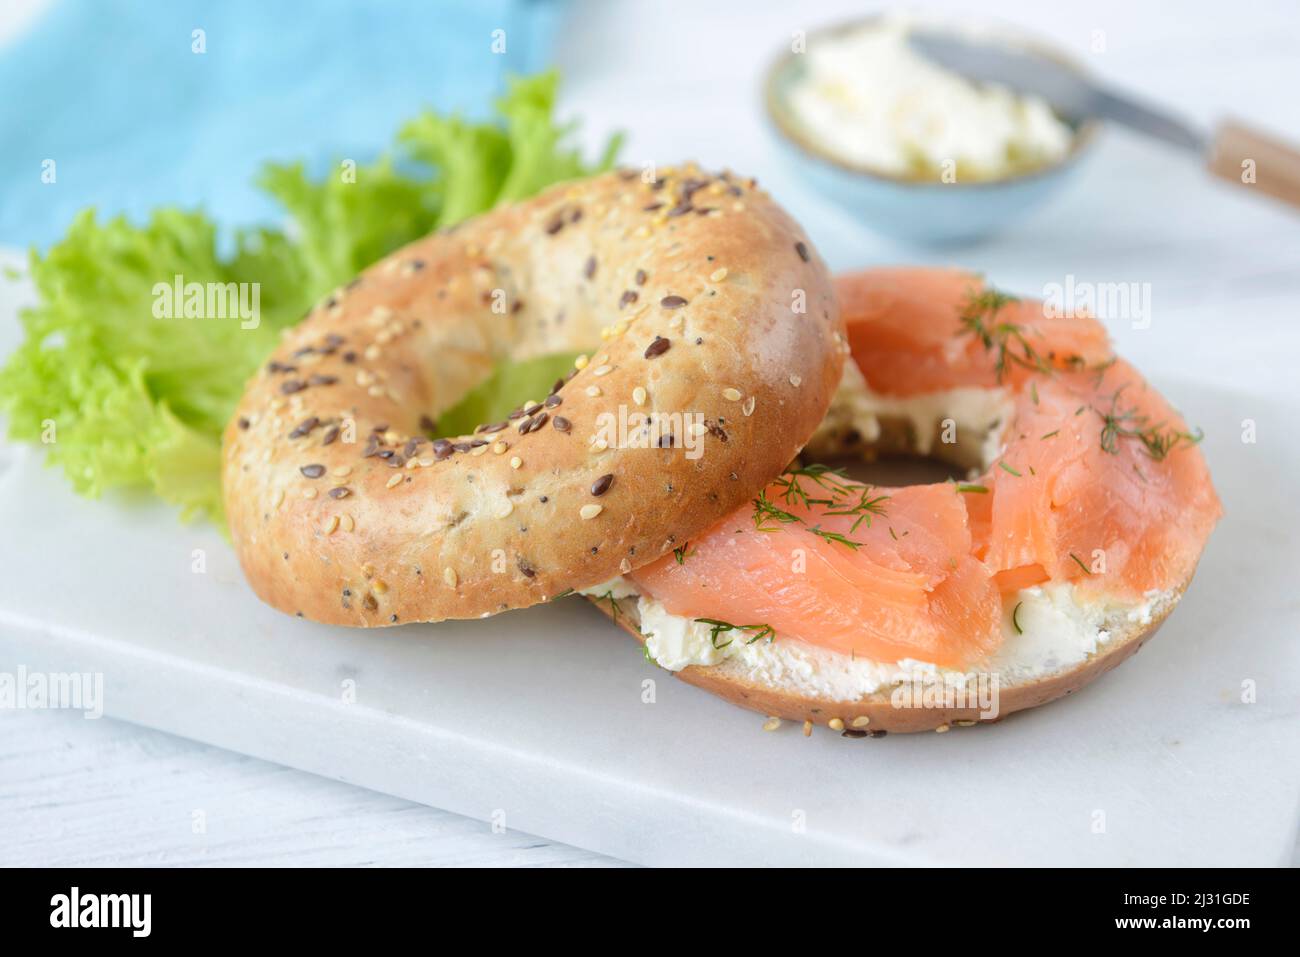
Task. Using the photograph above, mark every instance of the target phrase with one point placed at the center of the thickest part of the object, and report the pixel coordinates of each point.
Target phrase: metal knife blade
(1068, 91)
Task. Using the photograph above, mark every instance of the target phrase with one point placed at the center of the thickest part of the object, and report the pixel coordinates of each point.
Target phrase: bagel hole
(894, 457)
(896, 471)
(506, 387)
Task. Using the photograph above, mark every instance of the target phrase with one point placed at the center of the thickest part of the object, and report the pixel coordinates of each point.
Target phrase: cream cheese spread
(1058, 629)
(867, 98)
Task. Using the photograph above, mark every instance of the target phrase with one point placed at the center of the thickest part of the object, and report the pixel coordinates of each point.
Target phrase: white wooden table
(74, 791)
(104, 792)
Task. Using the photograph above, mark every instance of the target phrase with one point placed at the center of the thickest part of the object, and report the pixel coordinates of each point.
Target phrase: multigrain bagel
(694, 294)
(1086, 508)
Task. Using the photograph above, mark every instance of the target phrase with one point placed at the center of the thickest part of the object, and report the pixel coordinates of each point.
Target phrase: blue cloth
(112, 91)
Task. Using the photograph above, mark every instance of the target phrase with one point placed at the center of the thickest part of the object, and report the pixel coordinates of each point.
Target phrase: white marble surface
(1225, 289)
(538, 721)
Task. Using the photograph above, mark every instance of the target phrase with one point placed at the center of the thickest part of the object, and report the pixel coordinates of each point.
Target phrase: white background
(681, 78)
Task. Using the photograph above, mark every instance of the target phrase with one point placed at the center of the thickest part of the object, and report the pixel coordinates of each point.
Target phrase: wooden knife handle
(1256, 160)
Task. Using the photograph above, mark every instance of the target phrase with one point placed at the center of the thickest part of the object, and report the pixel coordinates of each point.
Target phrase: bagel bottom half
(882, 710)
(815, 650)
(877, 713)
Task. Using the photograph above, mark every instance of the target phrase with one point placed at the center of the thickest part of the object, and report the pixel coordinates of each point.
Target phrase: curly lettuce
(124, 399)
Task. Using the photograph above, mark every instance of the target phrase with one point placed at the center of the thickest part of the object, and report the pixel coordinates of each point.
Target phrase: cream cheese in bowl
(919, 152)
(868, 99)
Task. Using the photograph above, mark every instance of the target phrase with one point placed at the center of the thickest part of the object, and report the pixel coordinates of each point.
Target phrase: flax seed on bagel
(689, 293)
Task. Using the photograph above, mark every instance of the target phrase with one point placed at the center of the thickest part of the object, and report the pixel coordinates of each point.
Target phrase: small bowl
(928, 213)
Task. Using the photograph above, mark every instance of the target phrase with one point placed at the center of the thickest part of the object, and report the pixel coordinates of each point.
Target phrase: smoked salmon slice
(885, 574)
(1097, 481)
(915, 330)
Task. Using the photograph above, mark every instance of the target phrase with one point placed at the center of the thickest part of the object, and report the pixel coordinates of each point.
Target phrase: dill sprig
(836, 537)
(682, 553)
(718, 627)
(822, 486)
(979, 318)
(866, 506)
(613, 603)
(834, 481)
(1118, 422)
(1159, 444)
(1157, 440)
(765, 509)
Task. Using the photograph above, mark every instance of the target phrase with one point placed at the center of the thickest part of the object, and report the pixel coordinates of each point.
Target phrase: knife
(1234, 152)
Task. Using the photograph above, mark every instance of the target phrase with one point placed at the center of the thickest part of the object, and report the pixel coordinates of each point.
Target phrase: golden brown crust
(418, 537)
(879, 711)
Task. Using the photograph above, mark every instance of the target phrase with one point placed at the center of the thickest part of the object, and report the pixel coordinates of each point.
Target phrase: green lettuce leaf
(123, 399)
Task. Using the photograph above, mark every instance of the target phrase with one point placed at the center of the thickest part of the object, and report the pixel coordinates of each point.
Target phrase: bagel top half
(693, 295)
